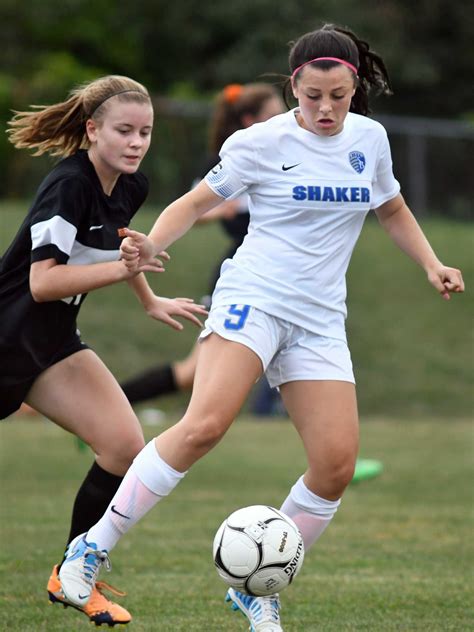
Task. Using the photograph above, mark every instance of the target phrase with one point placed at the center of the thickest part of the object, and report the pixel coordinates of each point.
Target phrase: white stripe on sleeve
(56, 231)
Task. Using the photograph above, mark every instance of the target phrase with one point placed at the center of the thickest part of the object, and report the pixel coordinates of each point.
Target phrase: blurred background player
(67, 246)
(237, 107)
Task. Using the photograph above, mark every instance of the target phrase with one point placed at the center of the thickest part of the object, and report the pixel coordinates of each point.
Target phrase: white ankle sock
(147, 481)
(311, 513)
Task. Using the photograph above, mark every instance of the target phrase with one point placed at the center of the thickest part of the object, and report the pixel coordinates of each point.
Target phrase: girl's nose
(325, 107)
(136, 140)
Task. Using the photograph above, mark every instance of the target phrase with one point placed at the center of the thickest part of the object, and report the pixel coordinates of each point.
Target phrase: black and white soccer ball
(258, 550)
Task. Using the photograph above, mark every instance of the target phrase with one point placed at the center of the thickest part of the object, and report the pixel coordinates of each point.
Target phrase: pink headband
(311, 61)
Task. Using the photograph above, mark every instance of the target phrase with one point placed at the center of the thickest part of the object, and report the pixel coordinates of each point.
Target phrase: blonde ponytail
(60, 129)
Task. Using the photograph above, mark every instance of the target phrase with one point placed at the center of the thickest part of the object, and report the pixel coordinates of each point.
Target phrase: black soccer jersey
(73, 221)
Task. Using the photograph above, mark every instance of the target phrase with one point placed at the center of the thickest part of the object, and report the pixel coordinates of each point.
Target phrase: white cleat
(262, 612)
(78, 572)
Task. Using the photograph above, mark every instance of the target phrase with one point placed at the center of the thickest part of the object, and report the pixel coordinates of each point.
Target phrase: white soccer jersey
(308, 198)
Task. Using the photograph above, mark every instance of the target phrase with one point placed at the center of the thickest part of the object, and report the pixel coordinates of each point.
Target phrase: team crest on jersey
(357, 160)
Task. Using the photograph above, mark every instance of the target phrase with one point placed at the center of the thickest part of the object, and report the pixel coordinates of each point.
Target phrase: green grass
(412, 351)
(398, 556)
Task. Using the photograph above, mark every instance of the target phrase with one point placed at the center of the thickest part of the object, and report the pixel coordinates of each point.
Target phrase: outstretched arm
(139, 251)
(399, 222)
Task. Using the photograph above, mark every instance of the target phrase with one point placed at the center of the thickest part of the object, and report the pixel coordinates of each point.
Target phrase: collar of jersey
(316, 138)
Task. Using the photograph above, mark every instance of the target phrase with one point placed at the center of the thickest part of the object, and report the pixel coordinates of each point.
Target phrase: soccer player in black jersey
(67, 246)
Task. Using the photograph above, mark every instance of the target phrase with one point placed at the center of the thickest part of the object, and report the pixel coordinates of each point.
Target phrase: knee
(122, 450)
(202, 437)
(331, 481)
(129, 451)
(341, 475)
(186, 381)
(184, 374)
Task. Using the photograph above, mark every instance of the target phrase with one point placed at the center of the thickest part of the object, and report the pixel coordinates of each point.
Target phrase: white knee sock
(311, 513)
(147, 481)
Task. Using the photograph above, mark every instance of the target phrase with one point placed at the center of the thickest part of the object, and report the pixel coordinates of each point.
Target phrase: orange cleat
(99, 609)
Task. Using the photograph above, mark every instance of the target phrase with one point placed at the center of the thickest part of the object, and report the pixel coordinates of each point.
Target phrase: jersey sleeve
(237, 169)
(56, 215)
(385, 186)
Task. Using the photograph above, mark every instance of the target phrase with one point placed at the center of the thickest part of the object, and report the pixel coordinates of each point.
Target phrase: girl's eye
(338, 97)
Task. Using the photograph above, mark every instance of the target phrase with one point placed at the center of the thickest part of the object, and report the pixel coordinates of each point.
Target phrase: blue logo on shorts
(357, 160)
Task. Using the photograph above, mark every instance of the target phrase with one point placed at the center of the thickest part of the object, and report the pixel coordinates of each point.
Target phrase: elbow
(42, 284)
(39, 296)
(39, 292)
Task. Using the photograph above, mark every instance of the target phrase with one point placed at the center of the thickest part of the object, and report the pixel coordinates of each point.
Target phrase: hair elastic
(232, 92)
(115, 94)
(311, 61)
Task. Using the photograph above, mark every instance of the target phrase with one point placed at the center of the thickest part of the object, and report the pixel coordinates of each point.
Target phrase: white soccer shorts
(287, 351)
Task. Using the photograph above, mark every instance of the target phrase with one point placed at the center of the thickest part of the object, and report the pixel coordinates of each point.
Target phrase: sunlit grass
(412, 351)
(397, 557)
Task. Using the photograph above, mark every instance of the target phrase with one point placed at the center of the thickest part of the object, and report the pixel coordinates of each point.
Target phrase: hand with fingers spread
(138, 252)
(163, 309)
(446, 280)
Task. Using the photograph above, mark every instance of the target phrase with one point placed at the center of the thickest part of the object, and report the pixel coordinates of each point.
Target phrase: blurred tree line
(189, 49)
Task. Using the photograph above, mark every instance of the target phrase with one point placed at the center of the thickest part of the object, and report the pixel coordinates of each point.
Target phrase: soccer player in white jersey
(67, 246)
(312, 175)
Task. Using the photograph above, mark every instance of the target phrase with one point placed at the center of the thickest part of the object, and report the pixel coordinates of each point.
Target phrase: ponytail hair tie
(232, 92)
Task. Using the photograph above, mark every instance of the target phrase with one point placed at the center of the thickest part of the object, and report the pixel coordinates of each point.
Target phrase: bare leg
(184, 370)
(325, 415)
(225, 374)
(81, 395)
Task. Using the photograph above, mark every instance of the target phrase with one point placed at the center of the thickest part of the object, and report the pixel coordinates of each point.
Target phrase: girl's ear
(248, 120)
(91, 130)
(294, 89)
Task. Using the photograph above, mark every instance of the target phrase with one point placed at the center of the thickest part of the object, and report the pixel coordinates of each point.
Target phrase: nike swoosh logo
(96, 227)
(118, 513)
(285, 168)
(82, 596)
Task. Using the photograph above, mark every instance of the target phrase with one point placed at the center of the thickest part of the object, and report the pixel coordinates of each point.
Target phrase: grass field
(412, 352)
(398, 556)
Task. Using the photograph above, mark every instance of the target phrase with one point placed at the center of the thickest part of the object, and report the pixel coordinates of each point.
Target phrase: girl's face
(324, 98)
(121, 138)
(271, 107)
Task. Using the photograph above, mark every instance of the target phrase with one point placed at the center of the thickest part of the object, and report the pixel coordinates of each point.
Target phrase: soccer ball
(258, 550)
